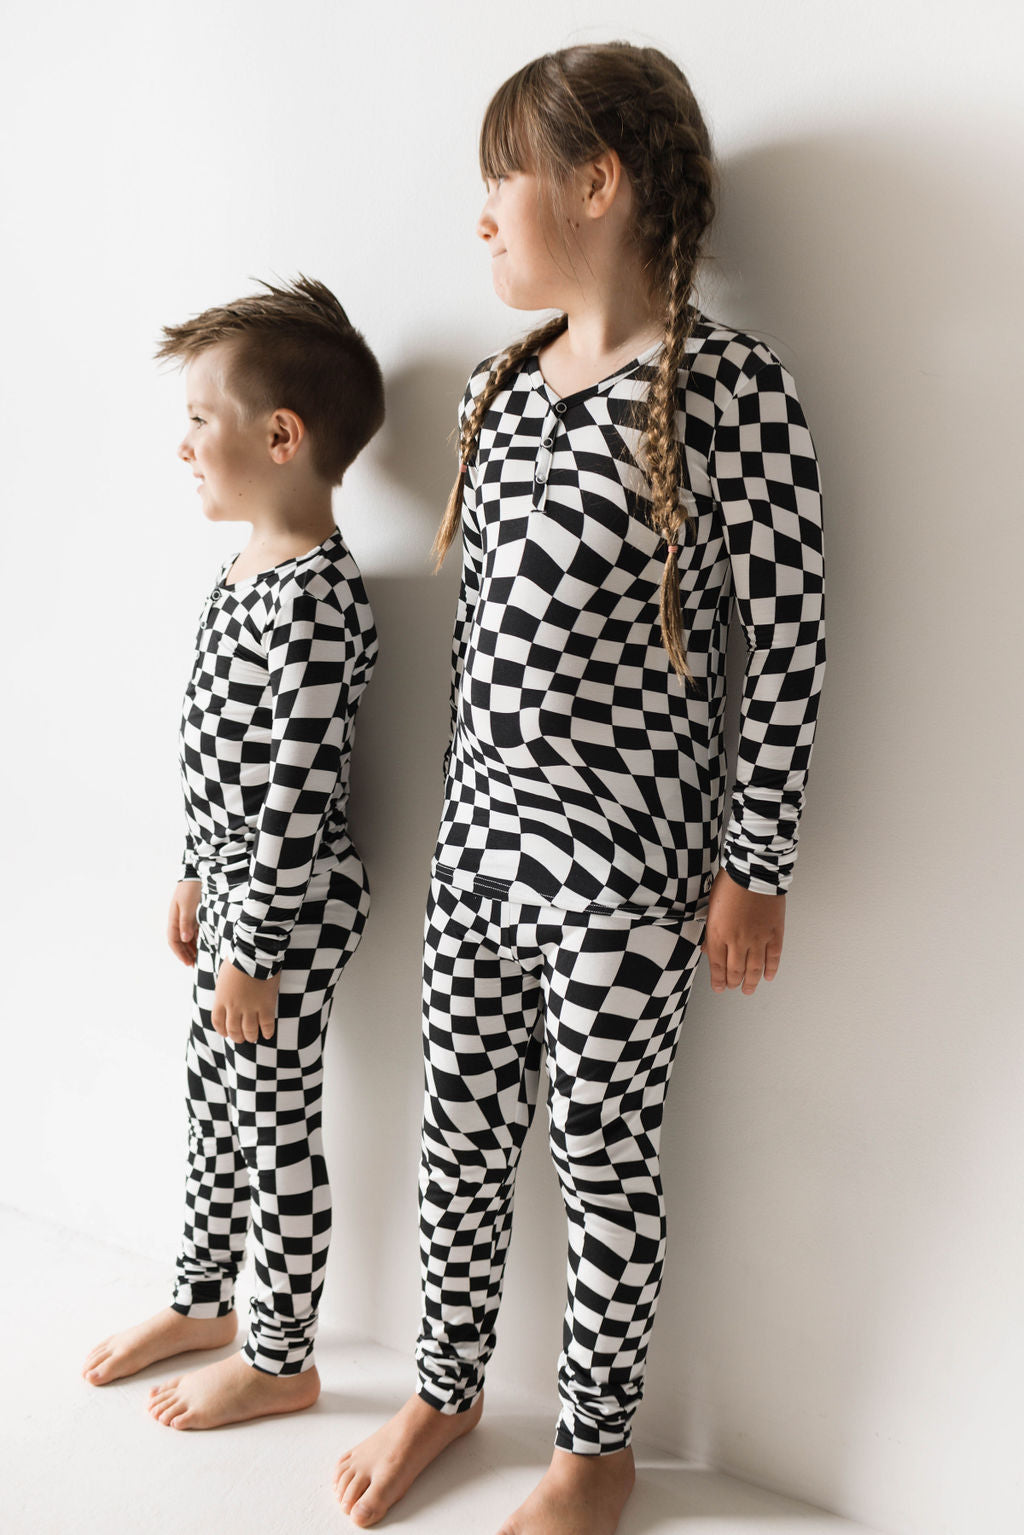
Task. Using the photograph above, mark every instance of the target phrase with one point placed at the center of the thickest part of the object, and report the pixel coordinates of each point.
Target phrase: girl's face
(529, 265)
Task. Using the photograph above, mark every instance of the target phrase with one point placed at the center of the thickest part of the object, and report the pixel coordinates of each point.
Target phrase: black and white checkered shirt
(581, 773)
(281, 662)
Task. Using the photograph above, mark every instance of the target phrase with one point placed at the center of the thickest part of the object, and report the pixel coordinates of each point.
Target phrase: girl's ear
(600, 183)
(286, 433)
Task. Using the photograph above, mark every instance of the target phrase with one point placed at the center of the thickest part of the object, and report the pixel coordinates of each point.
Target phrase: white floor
(79, 1460)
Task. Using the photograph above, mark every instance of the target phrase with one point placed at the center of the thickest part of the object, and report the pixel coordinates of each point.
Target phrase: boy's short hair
(295, 349)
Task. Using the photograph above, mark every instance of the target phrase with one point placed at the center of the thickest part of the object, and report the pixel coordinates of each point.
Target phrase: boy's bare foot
(373, 1476)
(164, 1335)
(230, 1391)
(577, 1495)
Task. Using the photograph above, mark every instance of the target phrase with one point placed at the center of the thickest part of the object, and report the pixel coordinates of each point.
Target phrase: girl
(626, 471)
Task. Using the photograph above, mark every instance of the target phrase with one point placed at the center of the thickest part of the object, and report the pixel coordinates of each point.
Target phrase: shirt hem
(499, 890)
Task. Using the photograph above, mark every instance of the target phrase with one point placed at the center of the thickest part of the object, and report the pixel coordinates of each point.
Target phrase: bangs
(504, 136)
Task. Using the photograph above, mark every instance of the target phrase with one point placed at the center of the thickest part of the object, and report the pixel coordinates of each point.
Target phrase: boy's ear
(287, 431)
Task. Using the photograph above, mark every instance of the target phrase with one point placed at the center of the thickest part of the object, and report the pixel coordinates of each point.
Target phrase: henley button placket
(543, 464)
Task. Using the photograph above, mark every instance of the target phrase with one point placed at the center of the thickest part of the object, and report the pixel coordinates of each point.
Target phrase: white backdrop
(841, 1316)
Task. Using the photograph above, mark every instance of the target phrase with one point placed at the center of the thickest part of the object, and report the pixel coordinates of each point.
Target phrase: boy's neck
(284, 531)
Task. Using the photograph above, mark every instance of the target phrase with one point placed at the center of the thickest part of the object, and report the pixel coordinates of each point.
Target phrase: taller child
(629, 470)
(283, 393)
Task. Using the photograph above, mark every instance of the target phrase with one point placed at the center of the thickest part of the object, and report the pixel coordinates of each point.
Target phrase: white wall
(841, 1317)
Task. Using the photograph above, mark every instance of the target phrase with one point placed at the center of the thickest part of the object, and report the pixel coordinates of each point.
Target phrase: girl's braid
(504, 365)
(675, 190)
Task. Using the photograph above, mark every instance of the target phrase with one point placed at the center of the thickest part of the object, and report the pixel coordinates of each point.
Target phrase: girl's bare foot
(230, 1391)
(164, 1335)
(373, 1476)
(577, 1495)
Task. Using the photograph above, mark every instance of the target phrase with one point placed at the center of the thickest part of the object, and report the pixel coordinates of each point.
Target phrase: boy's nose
(184, 451)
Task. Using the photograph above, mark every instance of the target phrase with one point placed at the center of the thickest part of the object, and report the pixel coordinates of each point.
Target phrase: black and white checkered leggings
(604, 995)
(255, 1137)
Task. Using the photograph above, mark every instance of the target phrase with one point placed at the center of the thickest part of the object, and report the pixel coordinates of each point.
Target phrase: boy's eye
(198, 420)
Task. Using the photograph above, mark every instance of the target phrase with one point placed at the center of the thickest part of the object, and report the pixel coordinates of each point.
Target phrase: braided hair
(556, 113)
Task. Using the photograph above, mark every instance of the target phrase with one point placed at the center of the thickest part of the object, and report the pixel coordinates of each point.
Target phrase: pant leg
(274, 1094)
(482, 1056)
(217, 1182)
(615, 993)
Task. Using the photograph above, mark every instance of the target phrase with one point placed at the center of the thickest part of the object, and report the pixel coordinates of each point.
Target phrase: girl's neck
(598, 340)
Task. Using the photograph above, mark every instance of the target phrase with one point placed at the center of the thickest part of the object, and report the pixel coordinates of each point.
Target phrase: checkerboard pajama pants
(604, 995)
(255, 1137)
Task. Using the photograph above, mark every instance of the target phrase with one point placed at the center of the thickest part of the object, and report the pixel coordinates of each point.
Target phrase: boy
(283, 393)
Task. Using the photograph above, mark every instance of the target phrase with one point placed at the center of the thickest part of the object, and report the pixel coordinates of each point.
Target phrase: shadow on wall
(809, 1279)
(417, 449)
(374, 1061)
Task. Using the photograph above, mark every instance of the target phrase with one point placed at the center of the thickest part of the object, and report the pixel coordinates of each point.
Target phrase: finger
(716, 953)
(267, 1021)
(250, 1027)
(772, 958)
(219, 1019)
(735, 966)
(752, 971)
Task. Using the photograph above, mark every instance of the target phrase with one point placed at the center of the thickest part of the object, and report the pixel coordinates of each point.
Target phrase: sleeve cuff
(257, 951)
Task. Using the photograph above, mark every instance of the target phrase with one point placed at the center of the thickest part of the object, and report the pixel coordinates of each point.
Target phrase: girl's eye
(198, 420)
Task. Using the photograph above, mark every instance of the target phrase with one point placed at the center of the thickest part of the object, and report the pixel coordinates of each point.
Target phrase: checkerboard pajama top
(581, 773)
(282, 660)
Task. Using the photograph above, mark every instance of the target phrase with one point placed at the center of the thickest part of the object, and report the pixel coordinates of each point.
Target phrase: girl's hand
(743, 939)
(182, 929)
(244, 1008)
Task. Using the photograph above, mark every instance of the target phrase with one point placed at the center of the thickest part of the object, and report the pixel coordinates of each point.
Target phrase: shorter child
(283, 393)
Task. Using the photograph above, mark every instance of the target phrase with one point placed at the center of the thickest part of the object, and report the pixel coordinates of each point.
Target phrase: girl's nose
(486, 228)
(184, 451)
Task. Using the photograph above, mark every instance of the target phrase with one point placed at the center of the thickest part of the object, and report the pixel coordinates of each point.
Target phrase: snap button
(547, 441)
(560, 407)
(215, 593)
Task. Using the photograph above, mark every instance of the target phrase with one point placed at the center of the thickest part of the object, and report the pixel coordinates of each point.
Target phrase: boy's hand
(244, 1008)
(743, 939)
(182, 929)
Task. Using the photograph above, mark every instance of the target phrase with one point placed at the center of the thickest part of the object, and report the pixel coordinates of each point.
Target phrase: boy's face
(229, 452)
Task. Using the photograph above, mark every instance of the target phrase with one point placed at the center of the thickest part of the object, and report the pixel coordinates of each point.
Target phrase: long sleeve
(469, 588)
(309, 651)
(764, 476)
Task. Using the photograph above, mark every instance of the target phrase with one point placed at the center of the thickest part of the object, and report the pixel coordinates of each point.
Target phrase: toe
(366, 1512)
(166, 1408)
(355, 1487)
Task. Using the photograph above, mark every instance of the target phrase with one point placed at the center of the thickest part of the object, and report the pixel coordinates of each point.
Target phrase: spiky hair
(293, 348)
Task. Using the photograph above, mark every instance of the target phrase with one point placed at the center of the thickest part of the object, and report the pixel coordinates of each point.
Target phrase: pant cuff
(190, 1300)
(271, 1362)
(592, 1439)
(446, 1405)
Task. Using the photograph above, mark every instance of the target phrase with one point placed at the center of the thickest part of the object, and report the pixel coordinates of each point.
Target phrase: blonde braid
(504, 365)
